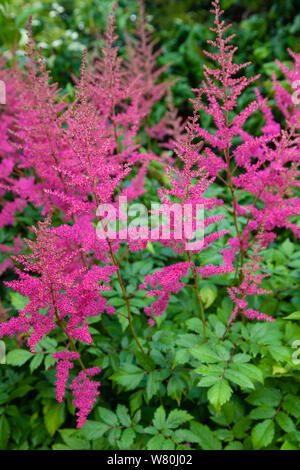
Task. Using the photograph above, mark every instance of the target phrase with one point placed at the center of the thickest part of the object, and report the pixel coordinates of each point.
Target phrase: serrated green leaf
(219, 394)
(204, 354)
(208, 381)
(36, 361)
(185, 435)
(280, 353)
(136, 400)
(152, 384)
(265, 396)
(49, 361)
(49, 344)
(234, 445)
(116, 302)
(195, 324)
(241, 427)
(262, 412)
(288, 446)
(156, 442)
(291, 405)
(159, 419)
(287, 247)
(177, 417)
(262, 434)
(54, 417)
(129, 376)
(205, 437)
(241, 358)
(140, 303)
(293, 316)
(70, 438)
(92, 430)
(238, 378)
(285, 422)
(20, 391)
(145, 361)
(18, 357)
(113, 436)
(2, 353)
(208, 294)
(108, 416)
(210, 370)
(250, 371)
(175, 388)
(127, 439)
(123, 415)
(181, 357)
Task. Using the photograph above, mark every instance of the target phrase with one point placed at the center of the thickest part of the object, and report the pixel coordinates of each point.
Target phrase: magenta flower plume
(85, 392)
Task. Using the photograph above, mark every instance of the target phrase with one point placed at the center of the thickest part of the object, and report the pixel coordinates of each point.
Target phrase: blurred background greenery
(264, 28)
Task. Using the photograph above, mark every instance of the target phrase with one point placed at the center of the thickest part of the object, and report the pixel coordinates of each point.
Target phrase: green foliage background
(241, 394)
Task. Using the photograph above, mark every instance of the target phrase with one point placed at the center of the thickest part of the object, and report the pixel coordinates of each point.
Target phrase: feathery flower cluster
(63, 366)
(168, 279)
(85, 392)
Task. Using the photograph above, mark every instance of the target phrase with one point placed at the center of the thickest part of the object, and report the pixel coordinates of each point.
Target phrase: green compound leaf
(208, 294)
(54, 417)
(219, 394)
(293, 316)
(129, 376)
(159, 419)
(18, 357)
(262, 434)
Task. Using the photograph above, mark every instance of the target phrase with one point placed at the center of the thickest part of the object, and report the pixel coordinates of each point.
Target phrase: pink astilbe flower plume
(85, 392)
(61, 294)
(166, 281)
(288, 102)
(142, 64)
(251, 280)
(63, 366)
(188, 187)
(263, 166)
(39, 134)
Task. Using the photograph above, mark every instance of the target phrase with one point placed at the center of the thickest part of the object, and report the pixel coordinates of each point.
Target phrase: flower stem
(60, 324)
(195, 286)
(126, 298)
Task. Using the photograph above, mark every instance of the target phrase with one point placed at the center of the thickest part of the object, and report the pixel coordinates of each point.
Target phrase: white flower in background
(43, 45)
(57, 43)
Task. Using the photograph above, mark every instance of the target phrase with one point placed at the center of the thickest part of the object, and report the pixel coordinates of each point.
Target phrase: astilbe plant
(88, 169)
(75, 155)
(263, 167)
(188, 187)
(142, 65)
